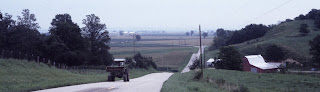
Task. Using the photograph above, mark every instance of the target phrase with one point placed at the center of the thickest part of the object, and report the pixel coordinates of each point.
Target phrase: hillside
(17, 76)
(285, 35)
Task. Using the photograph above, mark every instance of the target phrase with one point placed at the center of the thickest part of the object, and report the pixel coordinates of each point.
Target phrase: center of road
(148, 83)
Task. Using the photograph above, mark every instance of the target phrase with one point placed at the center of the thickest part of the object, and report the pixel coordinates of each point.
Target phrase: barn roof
(258, 61)
(119, 60)
(210, 60)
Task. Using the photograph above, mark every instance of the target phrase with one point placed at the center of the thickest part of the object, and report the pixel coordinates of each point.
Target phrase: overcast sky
(164, 14)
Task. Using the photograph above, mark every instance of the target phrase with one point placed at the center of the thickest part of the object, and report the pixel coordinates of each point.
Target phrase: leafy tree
(221, 33)
(6, 27)
(317, 19)
(28, 20)
(121, 33)
(25, 36)
(98, 38)
(221, 39)
(312, 14)
(274, 53)
(250, 32)
(300, 17)
(204, 34)
(138, 37)
(140, 62)
(315, 50)
(67, 31)
(230, 59)
(67, 35)
(191, 32)
(304, 29)
(187, 33)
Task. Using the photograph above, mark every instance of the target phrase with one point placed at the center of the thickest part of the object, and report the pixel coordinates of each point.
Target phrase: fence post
(19, 55)
(54, 64)
(37, 59)
(2, 53)
(11, 54)
(26, 57)
(49, 62)
(44, 59)
(31, 57)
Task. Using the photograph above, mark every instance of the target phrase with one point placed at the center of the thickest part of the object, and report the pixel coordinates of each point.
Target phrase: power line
(268, 12)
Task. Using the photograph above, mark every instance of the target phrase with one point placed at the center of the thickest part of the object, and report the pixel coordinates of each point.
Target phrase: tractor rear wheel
(128, 78)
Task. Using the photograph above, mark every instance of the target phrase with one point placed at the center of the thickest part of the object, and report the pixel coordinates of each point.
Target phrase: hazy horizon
(178, 15)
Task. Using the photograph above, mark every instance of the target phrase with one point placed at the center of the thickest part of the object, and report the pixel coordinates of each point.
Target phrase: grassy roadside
(186, 61)
(17, 76)
(226, 80)
(184, 82)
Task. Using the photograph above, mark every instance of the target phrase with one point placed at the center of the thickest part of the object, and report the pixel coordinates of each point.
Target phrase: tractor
(118, 69)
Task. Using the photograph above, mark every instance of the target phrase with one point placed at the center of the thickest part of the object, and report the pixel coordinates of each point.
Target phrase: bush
(195, 64)
(139, 61)
(230, 59)
(315, 50)
(198, 75)
(304, 29)
(275, 53)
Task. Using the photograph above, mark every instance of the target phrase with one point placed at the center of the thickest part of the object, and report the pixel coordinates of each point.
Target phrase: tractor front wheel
(125, 78)
(111, 78)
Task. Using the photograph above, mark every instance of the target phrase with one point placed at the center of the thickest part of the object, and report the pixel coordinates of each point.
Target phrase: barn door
(253, 69)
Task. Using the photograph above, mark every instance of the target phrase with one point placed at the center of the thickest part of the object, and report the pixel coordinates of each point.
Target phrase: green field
(227, 80)
(285, 35)
(17, 76)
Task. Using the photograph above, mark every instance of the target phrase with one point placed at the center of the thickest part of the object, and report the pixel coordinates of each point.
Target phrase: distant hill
(285, 35)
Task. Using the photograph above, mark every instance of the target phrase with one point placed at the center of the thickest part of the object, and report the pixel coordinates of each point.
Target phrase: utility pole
(201, 65)
(204, 58)
(134, 44)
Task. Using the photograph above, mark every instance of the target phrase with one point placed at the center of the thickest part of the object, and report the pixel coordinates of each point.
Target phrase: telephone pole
(201, 65)
(134, 44)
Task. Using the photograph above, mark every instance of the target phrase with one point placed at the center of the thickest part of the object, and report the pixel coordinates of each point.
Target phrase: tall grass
(227, 80)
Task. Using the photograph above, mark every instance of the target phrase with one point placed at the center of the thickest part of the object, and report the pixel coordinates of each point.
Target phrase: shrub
(139, 61)
(274, 53)
(195, 64)
(198, 75)
(230, 59)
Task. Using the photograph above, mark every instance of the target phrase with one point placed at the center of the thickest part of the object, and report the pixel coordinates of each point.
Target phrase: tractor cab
(118, 69)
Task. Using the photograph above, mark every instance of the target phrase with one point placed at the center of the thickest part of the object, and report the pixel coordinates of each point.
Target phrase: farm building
(257, 64)
(210, 62)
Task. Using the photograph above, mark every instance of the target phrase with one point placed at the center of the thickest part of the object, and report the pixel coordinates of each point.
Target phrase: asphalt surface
(148, 83)
(193, 58)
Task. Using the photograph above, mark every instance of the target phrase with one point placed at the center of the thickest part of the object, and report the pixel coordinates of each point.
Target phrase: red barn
(256, 64)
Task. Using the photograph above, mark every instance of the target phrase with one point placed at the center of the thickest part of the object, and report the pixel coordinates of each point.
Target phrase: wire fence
(8, 54)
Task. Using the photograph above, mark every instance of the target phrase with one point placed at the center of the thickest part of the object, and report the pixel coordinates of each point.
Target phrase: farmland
(166, 51)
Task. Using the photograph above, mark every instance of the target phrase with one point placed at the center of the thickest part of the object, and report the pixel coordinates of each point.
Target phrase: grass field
(166, 51)
(17, 76)
(285, 35)
(226, 80)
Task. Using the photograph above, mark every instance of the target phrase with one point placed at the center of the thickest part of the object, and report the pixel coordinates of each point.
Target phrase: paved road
(148, 83)
(193, 58)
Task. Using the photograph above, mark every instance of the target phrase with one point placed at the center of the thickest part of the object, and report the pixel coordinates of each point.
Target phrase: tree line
(228, 37)
(65, 43)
